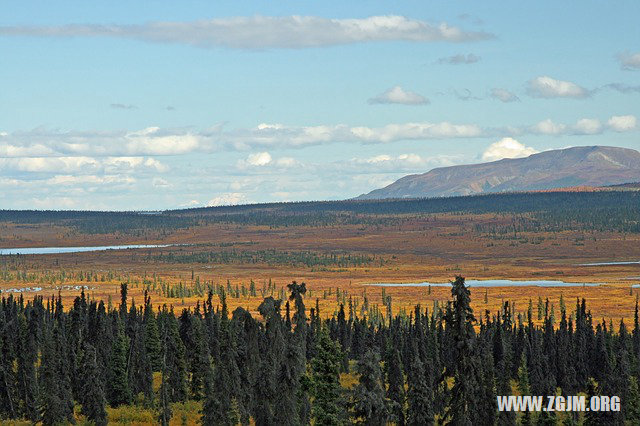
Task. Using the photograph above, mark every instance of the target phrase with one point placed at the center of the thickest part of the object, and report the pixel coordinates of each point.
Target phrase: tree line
(284, 368)
(537, 211)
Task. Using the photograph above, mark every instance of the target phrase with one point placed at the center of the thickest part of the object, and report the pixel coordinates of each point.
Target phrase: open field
(336, 255)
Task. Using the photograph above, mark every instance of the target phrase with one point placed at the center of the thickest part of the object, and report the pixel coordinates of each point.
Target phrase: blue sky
(159, 105)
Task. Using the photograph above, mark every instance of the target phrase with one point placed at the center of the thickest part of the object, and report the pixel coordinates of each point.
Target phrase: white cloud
(584, 126)
(228, 199)
(507, 148)
(548, 127)
(115, 151)
(588, 126)
(259, 159)
(81, 165)
(287, 162)
(11, 150)
(263, 32)
(378, 159)
(460, 59)
(504, 95)
(190, 204)
(629, 61)
(72, 180)
(398, 95)
(385, 163)
(50, 164)
(622, 123)
(151, 141)
(159, 182)
(406, 159)
(413, 131)
(152, 163)
(547, 87)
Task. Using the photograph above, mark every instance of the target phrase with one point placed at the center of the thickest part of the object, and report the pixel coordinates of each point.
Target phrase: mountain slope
(578, 166)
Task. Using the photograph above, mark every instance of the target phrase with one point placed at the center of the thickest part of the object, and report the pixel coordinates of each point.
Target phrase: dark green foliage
(92, 396)
(220, 403)
(328, 405)
(26, 354)
(152, 336)
(395, 384)
(174, 371)
(118, 390)
(244, 370)
(465, 367)
(551, 211)
(419, 395)
(56, 404)
(369, 402)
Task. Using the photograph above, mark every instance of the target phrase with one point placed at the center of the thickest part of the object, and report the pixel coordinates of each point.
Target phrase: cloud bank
(265, 32)
(156, 142)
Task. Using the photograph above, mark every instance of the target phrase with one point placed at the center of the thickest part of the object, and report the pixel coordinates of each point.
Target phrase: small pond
(492, 283)
(54, 250)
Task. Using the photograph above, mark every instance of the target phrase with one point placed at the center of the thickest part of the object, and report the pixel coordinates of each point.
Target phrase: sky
(161, 105)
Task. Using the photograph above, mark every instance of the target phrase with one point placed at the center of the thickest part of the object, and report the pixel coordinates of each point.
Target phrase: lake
(610, 263)
(492, 283)
(55, 250)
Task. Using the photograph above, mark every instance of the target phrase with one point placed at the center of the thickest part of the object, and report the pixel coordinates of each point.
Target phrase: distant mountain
(588, 166)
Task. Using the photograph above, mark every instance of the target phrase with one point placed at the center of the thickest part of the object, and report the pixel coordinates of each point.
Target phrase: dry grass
(433, 248)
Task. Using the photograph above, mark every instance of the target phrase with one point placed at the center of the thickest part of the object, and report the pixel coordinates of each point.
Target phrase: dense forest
(444, 366)
(547, 211)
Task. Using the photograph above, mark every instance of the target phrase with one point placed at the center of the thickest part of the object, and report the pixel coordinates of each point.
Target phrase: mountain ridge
(589, 166)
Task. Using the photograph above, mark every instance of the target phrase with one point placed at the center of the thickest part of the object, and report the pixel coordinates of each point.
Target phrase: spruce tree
(27, 384)
(272, 348)
(209, 412)
(93, 396)
(152, 337)
(56, 404)
(175, 365)
(395, 384)
(460, 326)
(328, 406)
(419, 395)
(369, 402)
(225, 376)
(118, 390)
(632, 403)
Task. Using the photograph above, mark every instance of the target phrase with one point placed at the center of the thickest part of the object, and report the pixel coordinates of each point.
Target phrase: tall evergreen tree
(328, 406)
(369, 401)
(395, 384)
(419, 395)
(225, 376)
(118, 390)
(27, 385)
(92, 397)
(152, 342)
(56, 404)
(460, 325)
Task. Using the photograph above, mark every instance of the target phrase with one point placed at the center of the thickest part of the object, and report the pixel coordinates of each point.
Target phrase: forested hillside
(439, 365)
(604, 210)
